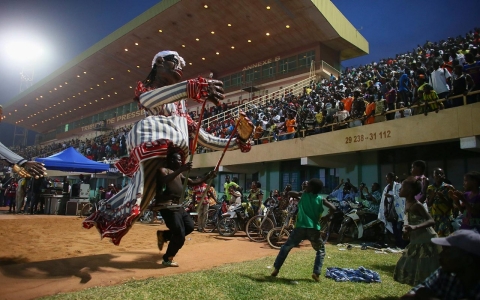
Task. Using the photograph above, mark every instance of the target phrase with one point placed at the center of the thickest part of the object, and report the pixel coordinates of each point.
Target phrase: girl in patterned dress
(420, 257)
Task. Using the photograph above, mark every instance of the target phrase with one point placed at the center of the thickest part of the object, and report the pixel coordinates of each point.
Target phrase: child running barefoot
(307, 227)
(420, 257)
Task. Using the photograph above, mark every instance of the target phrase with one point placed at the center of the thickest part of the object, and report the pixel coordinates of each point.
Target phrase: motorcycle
(332, 224)
(149, 216)
(358, 224)
(233, 220)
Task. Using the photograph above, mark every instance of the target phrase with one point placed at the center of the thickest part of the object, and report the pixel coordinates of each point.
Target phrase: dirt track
(45, 255)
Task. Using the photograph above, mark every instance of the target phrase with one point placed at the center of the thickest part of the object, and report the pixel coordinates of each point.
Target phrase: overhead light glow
(197, 39)
(205, 6)
(24, 50)
(288, 26)
(233, 47)
(268, 7)
(249, 41)
(267, 34)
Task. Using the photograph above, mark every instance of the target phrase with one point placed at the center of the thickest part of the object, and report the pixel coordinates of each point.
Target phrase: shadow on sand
(81, 267)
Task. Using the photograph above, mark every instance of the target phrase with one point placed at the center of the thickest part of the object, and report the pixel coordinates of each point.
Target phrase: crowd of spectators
(395, 87)
(106, 147)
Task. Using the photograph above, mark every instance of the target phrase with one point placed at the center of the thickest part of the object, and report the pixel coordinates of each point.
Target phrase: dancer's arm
(10, 156)
(211, 90)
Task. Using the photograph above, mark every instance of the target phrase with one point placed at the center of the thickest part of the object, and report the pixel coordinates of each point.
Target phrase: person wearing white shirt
(439, 80)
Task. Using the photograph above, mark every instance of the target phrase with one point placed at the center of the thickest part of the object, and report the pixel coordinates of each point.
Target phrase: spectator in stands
(370, 110)
(403, 112)
(391, 98)
(290, 125)
(419, 100)
(404, 88)
(431, 100)
(358, 109)
(440, 80)
(258, 134)
(472, 68)
(341, 115)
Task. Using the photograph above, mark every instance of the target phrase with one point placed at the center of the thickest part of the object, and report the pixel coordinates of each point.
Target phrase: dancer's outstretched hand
(215, 91)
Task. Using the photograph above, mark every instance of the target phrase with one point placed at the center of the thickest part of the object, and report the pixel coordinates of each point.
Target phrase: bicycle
(278, 236)
(89, 208)
(258, 226)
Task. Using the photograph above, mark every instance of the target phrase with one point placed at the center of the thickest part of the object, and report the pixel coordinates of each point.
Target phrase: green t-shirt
(310, 209)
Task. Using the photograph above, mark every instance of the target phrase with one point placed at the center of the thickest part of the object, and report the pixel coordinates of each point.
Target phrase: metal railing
(325, 67)
(295, 89)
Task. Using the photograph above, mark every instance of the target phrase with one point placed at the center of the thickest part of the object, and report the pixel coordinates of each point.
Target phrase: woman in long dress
(421, 257)
(391, 197)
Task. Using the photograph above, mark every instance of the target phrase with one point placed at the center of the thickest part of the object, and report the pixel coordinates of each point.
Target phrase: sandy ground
(44, 255)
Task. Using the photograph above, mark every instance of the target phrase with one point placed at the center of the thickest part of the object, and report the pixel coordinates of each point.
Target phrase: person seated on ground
(456, 278)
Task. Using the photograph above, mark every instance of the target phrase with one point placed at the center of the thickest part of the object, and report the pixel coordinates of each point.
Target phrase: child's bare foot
(274, 273)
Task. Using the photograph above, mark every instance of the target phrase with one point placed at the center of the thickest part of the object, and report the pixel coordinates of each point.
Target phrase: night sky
(68, 28)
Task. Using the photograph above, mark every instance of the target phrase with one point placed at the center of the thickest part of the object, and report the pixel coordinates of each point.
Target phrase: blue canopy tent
(71, 161)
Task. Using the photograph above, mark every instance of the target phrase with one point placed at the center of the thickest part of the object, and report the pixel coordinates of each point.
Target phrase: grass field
(251, 280)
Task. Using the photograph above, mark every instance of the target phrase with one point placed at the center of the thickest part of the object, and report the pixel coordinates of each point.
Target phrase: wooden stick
(192, 150)
(209, 182)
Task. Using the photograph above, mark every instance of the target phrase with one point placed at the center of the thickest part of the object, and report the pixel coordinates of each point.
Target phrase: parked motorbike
(233, 220)
(332, 224)
(148, 217)
(358, 224)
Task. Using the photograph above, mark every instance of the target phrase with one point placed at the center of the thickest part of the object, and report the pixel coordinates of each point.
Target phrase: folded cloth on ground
(355, 275)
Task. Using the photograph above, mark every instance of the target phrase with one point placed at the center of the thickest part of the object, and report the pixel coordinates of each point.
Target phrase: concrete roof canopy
(212, 36)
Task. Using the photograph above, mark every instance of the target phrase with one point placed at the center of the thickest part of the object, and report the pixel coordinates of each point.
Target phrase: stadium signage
(261, 63)
(124, 117)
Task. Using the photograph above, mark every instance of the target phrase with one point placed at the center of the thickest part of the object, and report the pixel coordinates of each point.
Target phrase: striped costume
(167, 129)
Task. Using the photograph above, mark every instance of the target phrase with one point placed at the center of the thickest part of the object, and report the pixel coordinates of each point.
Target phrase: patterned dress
(420, 257)
(168, 129)
(441, 209)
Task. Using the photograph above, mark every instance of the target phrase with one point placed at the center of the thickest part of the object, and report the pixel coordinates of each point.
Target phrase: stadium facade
(257, 48)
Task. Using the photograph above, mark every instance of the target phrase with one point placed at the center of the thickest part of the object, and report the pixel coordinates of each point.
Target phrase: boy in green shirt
(307, 227)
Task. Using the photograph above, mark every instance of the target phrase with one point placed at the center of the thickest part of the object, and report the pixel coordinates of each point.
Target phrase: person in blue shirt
(345, 194)
(404, 87)
(307, 226)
